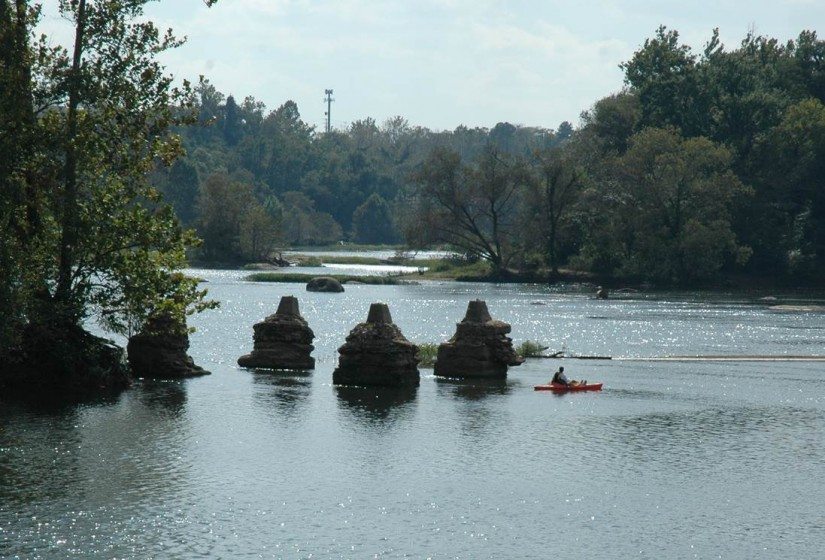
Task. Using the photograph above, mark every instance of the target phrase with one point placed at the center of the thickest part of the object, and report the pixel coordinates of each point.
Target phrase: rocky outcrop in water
(479, 348)
(61, 363)
(282, 340)
(159, 350)
(377, 354)
(324, 284)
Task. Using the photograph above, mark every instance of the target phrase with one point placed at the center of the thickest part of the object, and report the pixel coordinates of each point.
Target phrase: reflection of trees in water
(284, 390)
(474, 389)
(38, 462)
(377, 404)
(695, 438)
(164, 397)
(88, 457)
(478, 420)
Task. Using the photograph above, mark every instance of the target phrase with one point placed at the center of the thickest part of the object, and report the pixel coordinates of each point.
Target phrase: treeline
(705, 164)
(254, 180)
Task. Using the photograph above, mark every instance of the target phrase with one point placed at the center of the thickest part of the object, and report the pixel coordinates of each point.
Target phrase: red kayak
(562, 388)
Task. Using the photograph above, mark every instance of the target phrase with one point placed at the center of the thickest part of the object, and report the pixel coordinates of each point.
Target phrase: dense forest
(704, 164)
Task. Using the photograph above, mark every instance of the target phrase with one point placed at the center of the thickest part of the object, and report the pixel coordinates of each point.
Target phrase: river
(673, 459)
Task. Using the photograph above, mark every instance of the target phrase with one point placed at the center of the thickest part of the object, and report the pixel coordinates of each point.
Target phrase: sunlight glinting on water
(247, 464)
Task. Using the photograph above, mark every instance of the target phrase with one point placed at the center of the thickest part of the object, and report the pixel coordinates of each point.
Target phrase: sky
(441, 63)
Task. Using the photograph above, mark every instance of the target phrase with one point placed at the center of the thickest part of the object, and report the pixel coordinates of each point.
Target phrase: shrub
(530, 349)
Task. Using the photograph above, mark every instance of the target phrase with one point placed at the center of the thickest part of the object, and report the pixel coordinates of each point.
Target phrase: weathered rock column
(479, 348)
(282, 340)
(159, 350)
(376, 353)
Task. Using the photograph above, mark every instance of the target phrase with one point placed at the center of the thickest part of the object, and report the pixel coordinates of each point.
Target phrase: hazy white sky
(441, 63)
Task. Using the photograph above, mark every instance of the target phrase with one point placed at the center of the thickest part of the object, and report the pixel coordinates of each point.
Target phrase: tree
(118, 109)
(226, 209)
(677, 196)
(372, 221)
(180, 185)
(471, 207)
(98, 241)
(556, 186)
(564, 132)
(303, 225)
(232, 126)
(663, 74)
(259, 234)
(19, 207)
(612, 121)
(796, 150)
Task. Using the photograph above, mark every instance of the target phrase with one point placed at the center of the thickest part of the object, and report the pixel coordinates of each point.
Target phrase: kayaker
(560, 378)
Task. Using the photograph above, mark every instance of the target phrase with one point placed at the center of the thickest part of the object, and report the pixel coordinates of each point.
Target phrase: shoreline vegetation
(462, 270)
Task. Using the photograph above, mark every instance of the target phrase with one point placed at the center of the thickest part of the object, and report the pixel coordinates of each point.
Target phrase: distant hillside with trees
(704, 165)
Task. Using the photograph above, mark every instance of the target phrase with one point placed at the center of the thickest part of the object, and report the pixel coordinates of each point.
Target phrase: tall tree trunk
(24, 104)
(69, 210)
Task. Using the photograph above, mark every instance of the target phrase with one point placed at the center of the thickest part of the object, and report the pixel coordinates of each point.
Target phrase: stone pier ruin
(282, 341)
(377, 354)
(159, 350)
(479, 348)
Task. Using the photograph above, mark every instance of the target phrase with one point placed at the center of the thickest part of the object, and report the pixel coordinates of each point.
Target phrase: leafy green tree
(796, 148)
(210, 112)
(90, 231)
(222, 206)
(564, 132)
(663, 74)
(612, 121)
(677, 197)
(279, 155)
(19, 215)
(259, 234)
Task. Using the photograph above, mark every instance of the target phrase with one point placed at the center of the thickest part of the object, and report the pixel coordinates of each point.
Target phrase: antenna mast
(328, 114)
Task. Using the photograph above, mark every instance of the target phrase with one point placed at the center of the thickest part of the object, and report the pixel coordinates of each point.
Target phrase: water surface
(671, 460)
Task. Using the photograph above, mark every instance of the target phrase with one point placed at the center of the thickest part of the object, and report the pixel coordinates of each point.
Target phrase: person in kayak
(560, 378)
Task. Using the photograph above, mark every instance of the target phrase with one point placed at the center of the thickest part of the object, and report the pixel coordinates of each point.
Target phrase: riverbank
(445, 266)
(288, 277)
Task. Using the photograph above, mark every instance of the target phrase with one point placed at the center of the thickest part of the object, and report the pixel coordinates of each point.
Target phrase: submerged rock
(479, 348)
(377, 354)
(282, 341)
(324, 284)
(159, 350)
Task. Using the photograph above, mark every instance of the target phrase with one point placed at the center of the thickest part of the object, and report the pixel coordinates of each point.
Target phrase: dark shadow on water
(480, 420)
(57, 405)
(37, 458)
(284, 390)
(473, 389)
(164, 397)
(376, 404)
(691, 439)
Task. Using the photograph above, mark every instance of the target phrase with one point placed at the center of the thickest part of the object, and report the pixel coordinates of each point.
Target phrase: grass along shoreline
(297, 277)
(451, 269)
